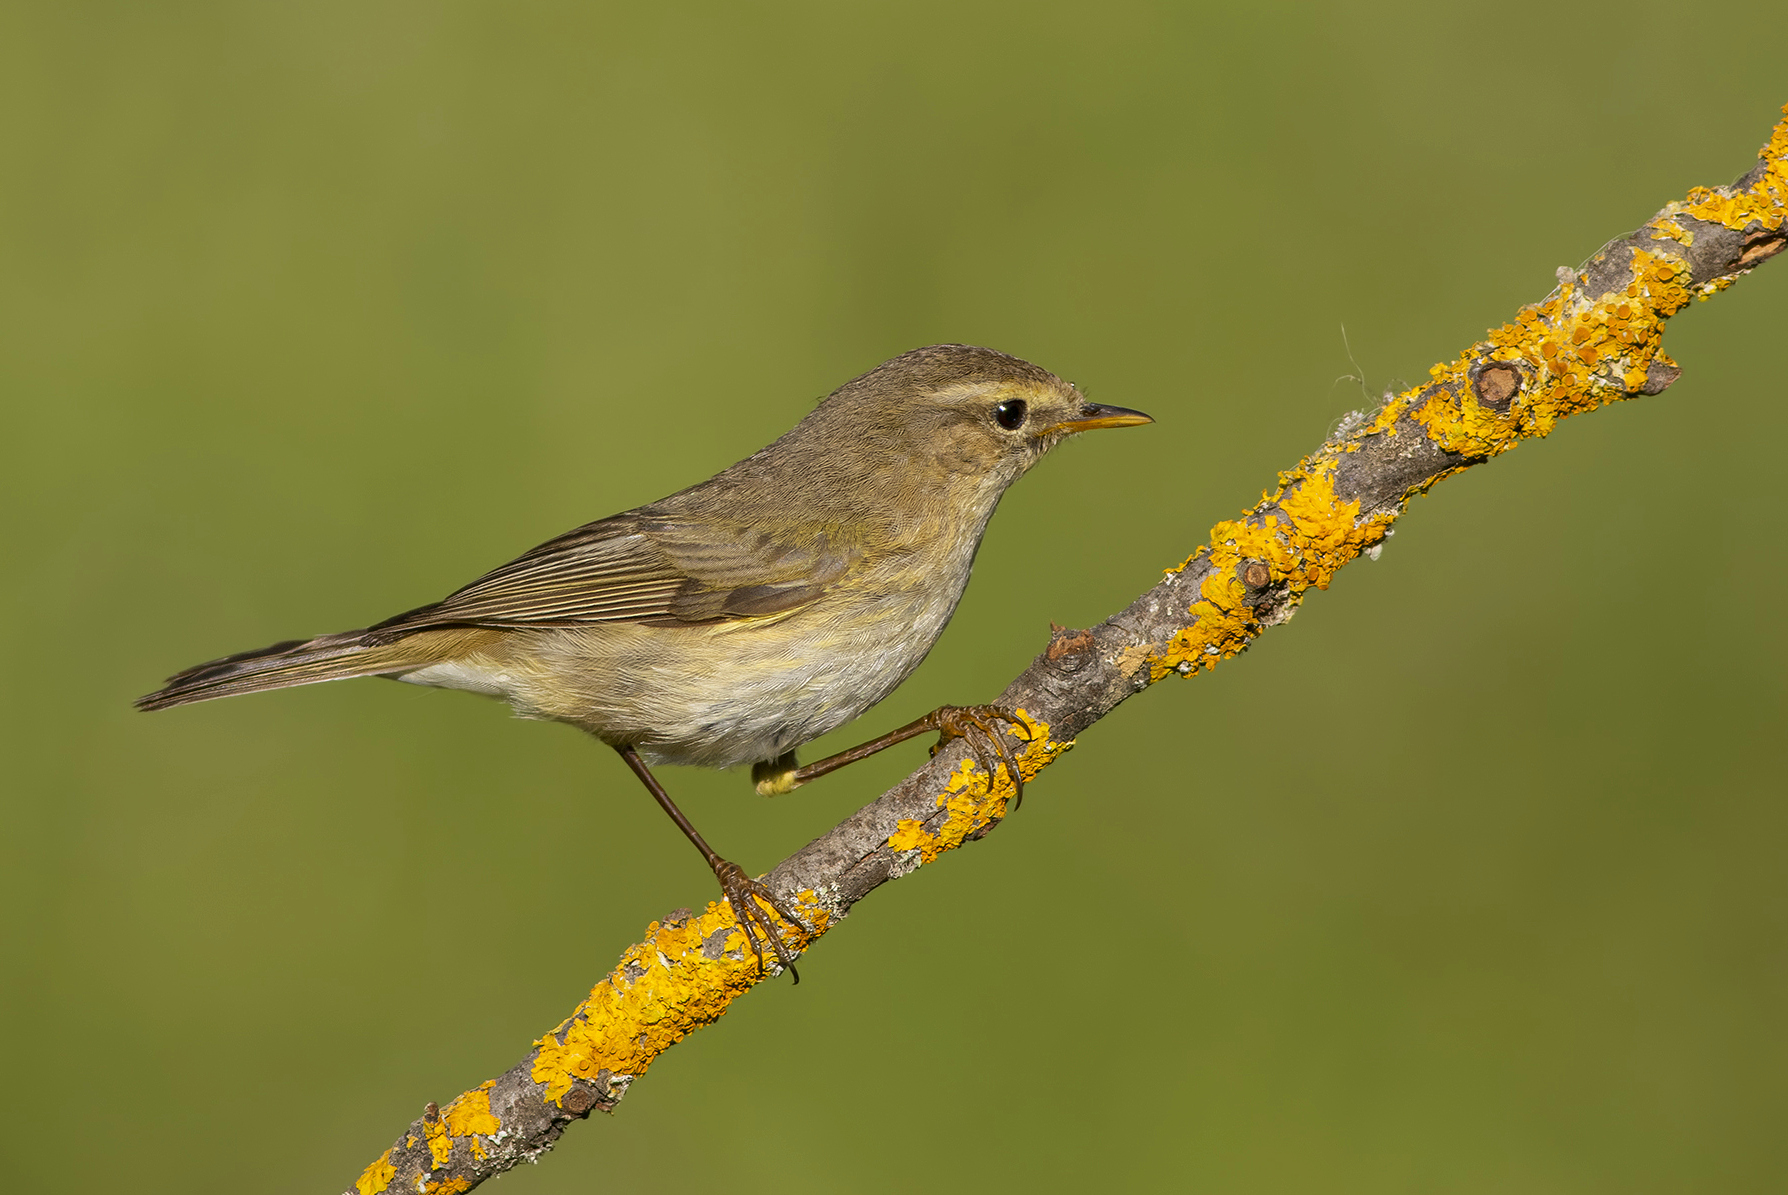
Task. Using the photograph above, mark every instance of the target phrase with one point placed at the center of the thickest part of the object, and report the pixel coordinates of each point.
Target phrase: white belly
(715, 695)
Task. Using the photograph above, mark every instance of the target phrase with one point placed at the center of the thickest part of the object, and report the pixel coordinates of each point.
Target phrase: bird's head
(956, 414)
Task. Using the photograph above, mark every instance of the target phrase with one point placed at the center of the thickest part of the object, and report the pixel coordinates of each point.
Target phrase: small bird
(740, 618)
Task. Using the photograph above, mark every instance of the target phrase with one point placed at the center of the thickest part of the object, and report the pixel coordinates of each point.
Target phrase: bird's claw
(743, 893)
(957, 721)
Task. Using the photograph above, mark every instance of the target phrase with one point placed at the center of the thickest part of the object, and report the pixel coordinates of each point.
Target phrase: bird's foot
(743, 893)
(774, 777)
(981, 726)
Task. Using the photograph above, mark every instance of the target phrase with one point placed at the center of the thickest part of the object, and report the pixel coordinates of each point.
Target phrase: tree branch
(1597, 338)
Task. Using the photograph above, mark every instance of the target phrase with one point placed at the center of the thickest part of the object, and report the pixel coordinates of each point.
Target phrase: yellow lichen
(1302, 551)
(376, 1177)
(665, 988)
(1665, 228)
(1386, 419)
(1575, 351)
(440, 1144)
(470, 1116)
(909, 835)
(967, 809)
(971, 800)
(1578, 351)
(1764, 203)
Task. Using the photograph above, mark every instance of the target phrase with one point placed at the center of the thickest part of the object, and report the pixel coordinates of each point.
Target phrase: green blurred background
(1470, 879)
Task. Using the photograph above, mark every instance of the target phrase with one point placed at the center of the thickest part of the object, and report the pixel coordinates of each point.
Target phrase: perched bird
(740, 618)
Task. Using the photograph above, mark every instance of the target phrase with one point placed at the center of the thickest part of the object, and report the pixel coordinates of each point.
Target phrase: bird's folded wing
(644, 569)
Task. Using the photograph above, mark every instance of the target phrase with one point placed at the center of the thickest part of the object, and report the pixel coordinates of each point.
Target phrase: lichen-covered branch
(1597, 338)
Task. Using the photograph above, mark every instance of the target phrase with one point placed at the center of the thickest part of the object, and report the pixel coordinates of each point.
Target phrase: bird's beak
(1096, 415)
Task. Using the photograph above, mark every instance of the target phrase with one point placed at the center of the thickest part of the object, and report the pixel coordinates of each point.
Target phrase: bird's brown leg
(948, 722)
(741, 891)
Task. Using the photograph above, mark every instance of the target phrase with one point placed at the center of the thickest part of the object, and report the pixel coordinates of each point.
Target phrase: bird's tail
(295, 662)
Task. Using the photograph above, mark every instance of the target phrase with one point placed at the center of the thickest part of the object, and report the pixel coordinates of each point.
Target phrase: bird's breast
(745, 690)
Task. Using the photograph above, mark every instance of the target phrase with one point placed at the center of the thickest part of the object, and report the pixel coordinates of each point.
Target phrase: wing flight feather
(639, 568)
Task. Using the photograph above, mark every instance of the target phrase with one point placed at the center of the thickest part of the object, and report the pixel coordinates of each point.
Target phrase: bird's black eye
(1010, 414)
